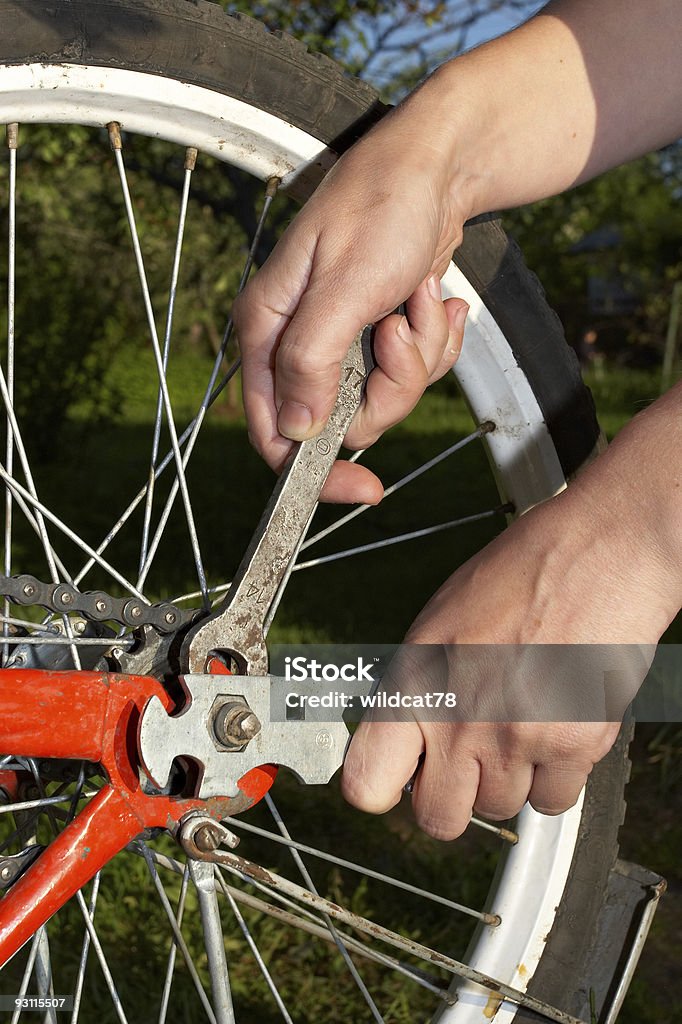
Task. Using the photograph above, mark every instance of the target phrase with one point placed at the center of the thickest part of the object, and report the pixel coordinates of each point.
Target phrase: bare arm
(582, 86)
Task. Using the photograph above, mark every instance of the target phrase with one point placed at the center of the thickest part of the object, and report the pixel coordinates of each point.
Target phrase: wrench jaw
(206, 644)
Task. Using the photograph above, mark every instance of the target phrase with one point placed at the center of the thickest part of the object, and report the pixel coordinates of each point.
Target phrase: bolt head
(247, 726)
(235, 724)
(207, 839)
(6, 873)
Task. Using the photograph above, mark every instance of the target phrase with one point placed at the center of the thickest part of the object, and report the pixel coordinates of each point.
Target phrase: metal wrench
(238, 624)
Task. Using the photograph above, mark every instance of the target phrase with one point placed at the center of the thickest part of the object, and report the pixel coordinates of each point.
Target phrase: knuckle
(300, 361)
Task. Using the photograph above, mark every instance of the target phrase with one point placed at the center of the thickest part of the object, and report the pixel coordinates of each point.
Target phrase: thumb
(308, 362)
(381, 759)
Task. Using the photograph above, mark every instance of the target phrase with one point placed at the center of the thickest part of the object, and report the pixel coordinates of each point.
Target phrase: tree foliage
(622, 229)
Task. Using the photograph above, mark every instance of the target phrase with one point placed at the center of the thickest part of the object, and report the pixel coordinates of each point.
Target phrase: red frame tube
(91, 716)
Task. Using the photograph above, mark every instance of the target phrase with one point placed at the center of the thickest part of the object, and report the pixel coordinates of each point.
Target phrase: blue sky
(488, 26)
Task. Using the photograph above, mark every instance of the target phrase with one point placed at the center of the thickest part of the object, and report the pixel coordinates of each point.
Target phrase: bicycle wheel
(186, 74)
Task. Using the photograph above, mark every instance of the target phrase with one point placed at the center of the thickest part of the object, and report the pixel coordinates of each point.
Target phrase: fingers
(411, 352)
(308, 360)
(290, 373)
(380, 761)
(467, 768)
(445, 789)
(503, 789)
(557, 787)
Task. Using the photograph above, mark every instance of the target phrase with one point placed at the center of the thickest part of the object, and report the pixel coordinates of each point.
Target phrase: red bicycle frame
(94, 717)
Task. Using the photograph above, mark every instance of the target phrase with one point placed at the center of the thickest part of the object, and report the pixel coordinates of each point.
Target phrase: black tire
(236, 56)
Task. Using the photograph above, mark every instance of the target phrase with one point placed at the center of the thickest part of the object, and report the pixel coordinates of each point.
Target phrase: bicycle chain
(95, 605)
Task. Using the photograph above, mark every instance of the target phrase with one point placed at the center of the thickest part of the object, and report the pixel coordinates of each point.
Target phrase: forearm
(583, 86)
(630, 504)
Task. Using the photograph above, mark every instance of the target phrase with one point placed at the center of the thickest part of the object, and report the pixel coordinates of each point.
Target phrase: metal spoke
(191, 432)
(307, 922)
(231, 862)
(99, 952)
(28, 805)
(14, 437)
(12, 144)
(33, 523)
(117, 146)
(172, 953)
(485, 428)
(43, 972)
(39, 627)
(26, 977)
(85, 949)
(190, 164)
(305, 874)
(310, 923)
(179, 938)
(238, 823)
(251, 942)
(210, 398)
(17, 488)
(212, 391)
(504, 833)
(404, 537)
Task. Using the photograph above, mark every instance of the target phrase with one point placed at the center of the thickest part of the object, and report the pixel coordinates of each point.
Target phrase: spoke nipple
(13, 136)
(191, 157)
(272, 187)
(488, 427)
(115, 139)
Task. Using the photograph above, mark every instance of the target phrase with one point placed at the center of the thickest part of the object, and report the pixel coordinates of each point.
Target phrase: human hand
(379, 230)
(559, 575)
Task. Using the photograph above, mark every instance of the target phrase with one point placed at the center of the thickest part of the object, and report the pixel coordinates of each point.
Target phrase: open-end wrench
(238, 624)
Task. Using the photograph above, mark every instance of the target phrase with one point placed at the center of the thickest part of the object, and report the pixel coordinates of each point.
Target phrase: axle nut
(235, 725)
